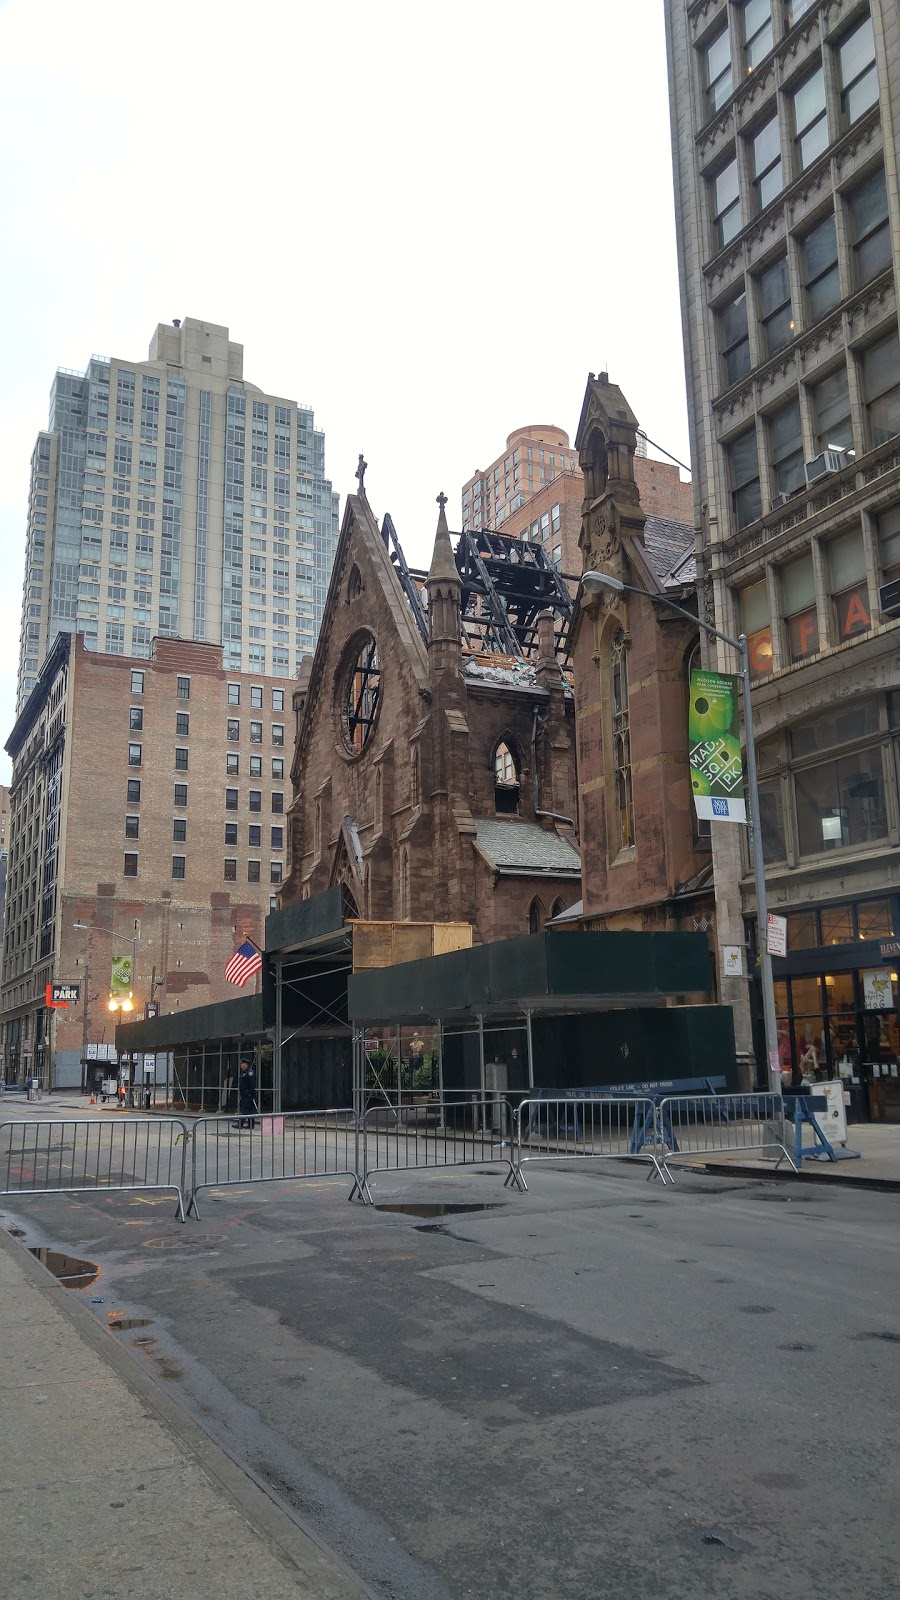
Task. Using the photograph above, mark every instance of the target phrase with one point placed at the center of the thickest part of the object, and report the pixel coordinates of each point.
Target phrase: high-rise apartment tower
(786, 138)
(170, 497)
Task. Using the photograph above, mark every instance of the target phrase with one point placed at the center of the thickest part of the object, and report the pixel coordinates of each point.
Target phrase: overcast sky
(429, 223)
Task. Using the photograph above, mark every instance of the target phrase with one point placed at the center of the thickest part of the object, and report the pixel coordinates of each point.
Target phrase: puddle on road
(437, 1210)
(72, 1272)
(122, 1324)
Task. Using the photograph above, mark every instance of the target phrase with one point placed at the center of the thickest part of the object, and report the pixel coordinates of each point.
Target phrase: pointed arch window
(535, 917)
(362, 693)
(404, 884)
(506, 780)
(621, 729)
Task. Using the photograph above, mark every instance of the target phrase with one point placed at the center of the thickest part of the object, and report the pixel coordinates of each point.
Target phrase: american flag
(245, 961)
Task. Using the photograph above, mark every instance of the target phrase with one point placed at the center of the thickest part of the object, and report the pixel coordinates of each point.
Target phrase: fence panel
(88, 1155)
(444, 1133)
(588, 1129)
(299, 1144)
(701, 1125)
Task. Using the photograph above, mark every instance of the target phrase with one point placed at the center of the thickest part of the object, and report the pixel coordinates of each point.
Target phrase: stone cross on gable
(361, 473)
(442, 499)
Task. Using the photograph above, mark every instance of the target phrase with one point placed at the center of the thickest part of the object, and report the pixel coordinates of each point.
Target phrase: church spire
(443, 566)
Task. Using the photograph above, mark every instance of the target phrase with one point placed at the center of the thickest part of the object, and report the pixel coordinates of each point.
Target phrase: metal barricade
(712, 1125)
(263, 1149)
(80, 1155)
(465, 1132)
(589, 1129)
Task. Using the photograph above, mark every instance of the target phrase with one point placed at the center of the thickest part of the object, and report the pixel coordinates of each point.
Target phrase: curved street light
(595, 583)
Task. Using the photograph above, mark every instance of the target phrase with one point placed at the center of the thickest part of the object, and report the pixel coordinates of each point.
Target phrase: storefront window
(798, 594)
(841, 803)
(753, 604)
(847, 575)
(837, 925)
(873, 919)
(801, 930)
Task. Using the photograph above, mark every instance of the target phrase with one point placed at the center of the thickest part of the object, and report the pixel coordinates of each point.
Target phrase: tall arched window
(624, 809)
(404, 884)
(506, 780)
(557, 908)
(415, 776)
(535, 917)
(317, 830)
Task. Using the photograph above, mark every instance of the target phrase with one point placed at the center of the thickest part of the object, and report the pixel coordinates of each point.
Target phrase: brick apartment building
(535, 491)
(432, 781)
(114, 823)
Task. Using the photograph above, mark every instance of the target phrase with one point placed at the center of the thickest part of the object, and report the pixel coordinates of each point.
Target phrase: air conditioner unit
(821, 465)
(779, 501)
(889, 598)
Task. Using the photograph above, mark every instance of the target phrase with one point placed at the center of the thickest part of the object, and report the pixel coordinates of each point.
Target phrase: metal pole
(84, 1025)
(530, 1054)
(276, 1065)
(770, 1026)
(480, 1063)
(441, 1070)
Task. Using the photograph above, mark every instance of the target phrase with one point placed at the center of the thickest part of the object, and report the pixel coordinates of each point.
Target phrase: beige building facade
(148, 803)
(785, 128)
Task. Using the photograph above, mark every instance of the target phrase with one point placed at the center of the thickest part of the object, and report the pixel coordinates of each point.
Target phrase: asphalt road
(600, 1388)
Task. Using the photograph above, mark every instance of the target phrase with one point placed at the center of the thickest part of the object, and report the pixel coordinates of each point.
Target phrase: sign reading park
(717, 773)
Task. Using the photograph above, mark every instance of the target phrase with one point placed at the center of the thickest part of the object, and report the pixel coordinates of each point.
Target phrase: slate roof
(669, 547)
(524, 847)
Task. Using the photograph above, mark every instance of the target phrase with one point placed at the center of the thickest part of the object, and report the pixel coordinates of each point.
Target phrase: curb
(319, 1567)
(720, 1168)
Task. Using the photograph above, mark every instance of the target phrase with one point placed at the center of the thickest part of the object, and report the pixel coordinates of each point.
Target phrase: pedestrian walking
(247, 1095)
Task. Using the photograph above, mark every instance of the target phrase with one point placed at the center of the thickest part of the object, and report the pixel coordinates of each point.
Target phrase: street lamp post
(593, 583)
(125, 1005)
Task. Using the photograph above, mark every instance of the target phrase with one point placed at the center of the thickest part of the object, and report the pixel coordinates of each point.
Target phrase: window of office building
(743, 474)
(179, 829)
(726, 204)
(277, 733)
(856, 71)
(232, 765)
(786, 447)
(277, 801)
(182, 724)
(798, 599)
(820, 268)
(184, 688)
(277, 838)
(810, 120)
(881, 387)
(734, 340)
(137, 683)
(765, 163)
(255, 799)
(181, 758)
(831, 409)
(135, 755)
(234, 694)
(869, 228)
(717, 77)
(277, 766)
(234, 729)
(231, 799)
(256, 697)
(256, 766)
(230, 869)
(756, 17)
(131, 864)
(846, 560)
(254, 835)
(840, 802)
(136, 719)
(776, 315)
(132, 827)
(756, 623)
(253, 872)
(277, 699)
(181, 794)
(275, 870)
(133, 791)
(889, 543)
(178, 866)
(256, 733)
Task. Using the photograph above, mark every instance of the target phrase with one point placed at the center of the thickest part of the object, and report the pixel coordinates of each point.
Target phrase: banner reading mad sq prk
(714, 739)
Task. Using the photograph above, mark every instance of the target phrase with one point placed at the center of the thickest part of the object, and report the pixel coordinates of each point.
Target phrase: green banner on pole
(714, 738)
(121, 975)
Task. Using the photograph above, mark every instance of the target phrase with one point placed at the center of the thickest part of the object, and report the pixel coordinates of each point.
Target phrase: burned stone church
(434, 760)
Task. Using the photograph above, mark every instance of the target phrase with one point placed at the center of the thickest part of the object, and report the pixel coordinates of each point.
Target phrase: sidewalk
(110, 1488)
(878, 1144)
